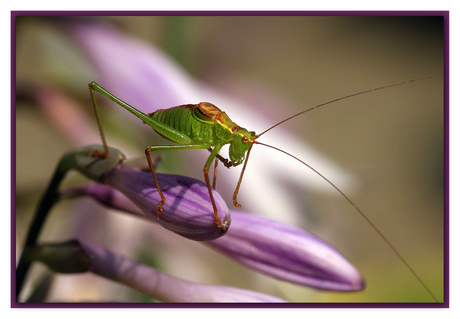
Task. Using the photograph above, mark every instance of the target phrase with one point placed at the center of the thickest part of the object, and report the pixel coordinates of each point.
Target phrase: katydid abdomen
(191, 126)
(202, 128)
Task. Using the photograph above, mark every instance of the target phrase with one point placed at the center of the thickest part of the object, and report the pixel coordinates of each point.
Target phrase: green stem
(87, 162)
(49, 198)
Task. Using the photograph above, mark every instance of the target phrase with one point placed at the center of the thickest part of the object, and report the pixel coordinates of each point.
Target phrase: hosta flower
(268, 246)
(146, 78)
(149, 79)
(288, 253)
(187, 210)
(78, 257)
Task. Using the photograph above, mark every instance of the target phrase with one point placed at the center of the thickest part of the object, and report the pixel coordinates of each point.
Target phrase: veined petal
(187, 210)
(287, 253)
(162, 286)
(76, 257)
(268, 246)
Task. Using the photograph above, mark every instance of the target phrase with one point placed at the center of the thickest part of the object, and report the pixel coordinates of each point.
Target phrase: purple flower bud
(187, 210)
(160, 286)
(268, 246)
(287, 253)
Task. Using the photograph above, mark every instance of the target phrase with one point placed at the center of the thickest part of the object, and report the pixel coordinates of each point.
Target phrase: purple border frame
(444, 14)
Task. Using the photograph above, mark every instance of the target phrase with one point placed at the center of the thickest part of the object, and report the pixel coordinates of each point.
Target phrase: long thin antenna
(359, 211)
(348, 96)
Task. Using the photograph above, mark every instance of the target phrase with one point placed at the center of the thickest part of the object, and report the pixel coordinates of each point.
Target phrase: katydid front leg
(214, 179)
(226, 163)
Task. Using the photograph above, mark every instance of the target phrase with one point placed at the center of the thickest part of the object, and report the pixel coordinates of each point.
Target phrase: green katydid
(205, 126)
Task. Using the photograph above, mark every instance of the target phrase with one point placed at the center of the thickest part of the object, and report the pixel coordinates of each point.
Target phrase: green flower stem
(85, 160)
(49, 198)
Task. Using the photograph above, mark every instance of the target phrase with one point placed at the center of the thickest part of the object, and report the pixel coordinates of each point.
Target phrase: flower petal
(162, 286)
(268, 246)
(287, 253)
(187, 210)
(76, 257)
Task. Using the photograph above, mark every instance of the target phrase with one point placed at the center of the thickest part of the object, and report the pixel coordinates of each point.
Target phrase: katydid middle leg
(207, 165)
(212, 156)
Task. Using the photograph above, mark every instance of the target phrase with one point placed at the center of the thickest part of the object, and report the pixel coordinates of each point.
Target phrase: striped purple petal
(287, 253)
(161, 286)
(187, 210)
(268, 246)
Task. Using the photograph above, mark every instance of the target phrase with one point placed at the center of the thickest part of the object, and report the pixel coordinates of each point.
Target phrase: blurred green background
(392, 140)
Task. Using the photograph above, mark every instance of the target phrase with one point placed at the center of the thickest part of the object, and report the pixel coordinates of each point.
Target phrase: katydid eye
(245, 139)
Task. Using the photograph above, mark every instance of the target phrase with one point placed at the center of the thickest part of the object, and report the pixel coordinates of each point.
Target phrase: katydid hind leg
(164, 130)
(105, 153)
(209, 161)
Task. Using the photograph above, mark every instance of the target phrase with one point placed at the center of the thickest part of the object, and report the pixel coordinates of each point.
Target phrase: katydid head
(242, 139)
